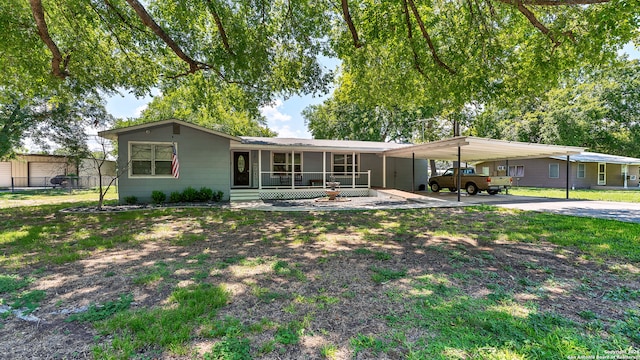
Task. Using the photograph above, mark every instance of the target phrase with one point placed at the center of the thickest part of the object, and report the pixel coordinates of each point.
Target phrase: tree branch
(426, 36)
(148, 21)
(416, 62)
(223, 33)
(535, 22)
(58, 63)
(347, 18)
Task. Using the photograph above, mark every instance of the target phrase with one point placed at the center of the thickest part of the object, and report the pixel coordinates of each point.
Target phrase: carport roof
(481, 149)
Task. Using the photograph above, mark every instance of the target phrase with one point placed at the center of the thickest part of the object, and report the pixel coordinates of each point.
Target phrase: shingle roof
(322, 144)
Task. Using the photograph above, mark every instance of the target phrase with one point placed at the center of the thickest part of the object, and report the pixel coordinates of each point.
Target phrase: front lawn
(630, 195)
(477, 282)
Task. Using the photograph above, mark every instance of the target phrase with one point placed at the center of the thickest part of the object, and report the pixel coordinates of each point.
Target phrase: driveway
(622, 211)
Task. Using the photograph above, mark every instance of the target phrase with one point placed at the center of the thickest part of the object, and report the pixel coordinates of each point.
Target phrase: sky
(283, 116)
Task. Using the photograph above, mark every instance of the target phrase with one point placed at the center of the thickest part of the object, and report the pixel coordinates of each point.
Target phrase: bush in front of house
(130, 200)
(204, 194)
(217, 196)
(175, 197)
(189, 194)
(158, 197)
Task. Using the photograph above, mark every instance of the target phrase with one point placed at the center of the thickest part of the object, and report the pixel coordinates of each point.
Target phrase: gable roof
(593, 157)
(113, 133)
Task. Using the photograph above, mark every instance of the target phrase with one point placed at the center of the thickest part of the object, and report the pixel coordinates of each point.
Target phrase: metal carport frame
(470, 149)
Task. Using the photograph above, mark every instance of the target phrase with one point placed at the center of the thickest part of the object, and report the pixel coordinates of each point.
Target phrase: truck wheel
(453, 189)
(434, 187)
(472, 189)
(493, 192)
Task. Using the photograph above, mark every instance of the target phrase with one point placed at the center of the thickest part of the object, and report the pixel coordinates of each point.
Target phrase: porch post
(626, 172)
(259, 169)
(384, 171)
(568, 170)
(369, 179)
(353, 170)
(293, 169)
(324, 169)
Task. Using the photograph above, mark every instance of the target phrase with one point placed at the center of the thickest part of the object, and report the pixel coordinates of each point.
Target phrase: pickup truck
(472, 182)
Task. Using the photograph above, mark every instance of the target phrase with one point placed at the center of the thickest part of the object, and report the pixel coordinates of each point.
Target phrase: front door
(241, 168)
(602, 174)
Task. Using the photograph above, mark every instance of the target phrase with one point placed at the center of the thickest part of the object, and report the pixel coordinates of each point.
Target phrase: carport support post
(459, 174)
(568, 167)
(413, 172)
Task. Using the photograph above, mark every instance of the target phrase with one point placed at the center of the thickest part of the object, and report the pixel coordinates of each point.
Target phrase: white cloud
(138, 111)
(273, 114)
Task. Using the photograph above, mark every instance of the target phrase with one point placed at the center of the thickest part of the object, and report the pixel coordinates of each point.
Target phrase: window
(281, 163)
(554, 171)
(344, 164)
(516, 170)
(581, 171)
(149, 159)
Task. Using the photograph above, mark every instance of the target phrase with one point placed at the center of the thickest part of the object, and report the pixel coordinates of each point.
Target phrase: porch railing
(313, 180)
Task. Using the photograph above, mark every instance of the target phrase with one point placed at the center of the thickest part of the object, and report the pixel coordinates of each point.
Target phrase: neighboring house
(586, 170)
(31, 170)
(245, 168)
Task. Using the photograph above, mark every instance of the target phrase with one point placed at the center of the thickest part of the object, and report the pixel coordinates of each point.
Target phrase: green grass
(167, 328)
(582, 194)
(426, 315)
(97, 312)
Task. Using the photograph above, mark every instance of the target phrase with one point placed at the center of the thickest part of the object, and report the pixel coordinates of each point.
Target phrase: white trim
(557, 165)
(584, 171)
(603, 173)
(355, 166)
(288, 155)
(153, 168)
(233, 170)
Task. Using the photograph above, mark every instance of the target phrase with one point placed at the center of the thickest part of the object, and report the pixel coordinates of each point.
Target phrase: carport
(475, 149)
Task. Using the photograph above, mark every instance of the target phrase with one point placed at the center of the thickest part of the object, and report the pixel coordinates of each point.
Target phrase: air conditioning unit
(632, 177)
(501, 168)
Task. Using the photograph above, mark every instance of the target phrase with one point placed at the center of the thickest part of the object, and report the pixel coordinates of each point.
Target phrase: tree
(207, 102)
(439, 54)
(598, 109)
(55, 120)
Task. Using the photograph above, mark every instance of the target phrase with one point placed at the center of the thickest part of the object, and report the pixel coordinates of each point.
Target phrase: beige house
(587, 170)
(31, 170)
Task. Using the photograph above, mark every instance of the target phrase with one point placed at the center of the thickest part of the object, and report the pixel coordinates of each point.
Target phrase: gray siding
(204, 161)
(536, 173)
(399, 171)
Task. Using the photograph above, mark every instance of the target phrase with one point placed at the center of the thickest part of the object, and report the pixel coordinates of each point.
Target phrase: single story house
(587, 170)
(251, 168)
(36, 170)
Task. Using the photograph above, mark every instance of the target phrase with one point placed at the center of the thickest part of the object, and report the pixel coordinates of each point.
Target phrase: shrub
(131, 200)
(204, 194)
(158, 197)
(189, 194)
(175, 197)
(217, 196)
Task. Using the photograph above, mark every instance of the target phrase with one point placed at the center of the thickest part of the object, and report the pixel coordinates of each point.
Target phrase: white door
(5, 174)
(40, 174)
(602, 174)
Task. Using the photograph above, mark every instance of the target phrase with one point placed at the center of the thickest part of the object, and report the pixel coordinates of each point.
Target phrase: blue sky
(283, 117)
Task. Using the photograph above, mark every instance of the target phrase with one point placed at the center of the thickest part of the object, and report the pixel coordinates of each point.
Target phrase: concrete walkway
(396, 199)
